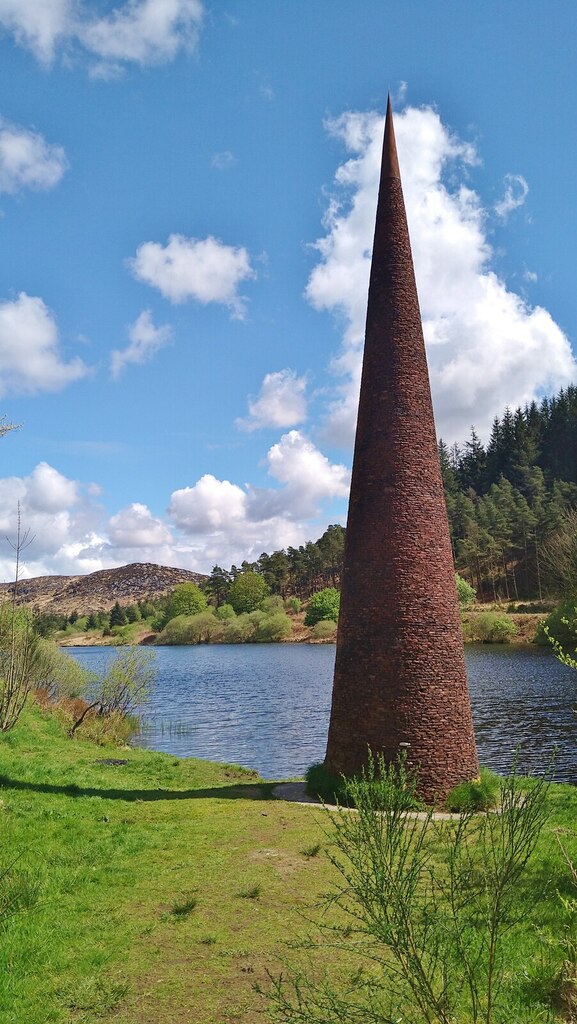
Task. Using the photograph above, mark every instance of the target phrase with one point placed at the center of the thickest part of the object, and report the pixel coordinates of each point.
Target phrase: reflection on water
(267, 706)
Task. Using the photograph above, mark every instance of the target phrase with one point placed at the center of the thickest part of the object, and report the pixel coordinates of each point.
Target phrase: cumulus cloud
(487, 347)
(145, 341)
(280, 403)
(137, 31)
(205, 270)
(50, 491)
(30, 358)
(70, 533)
(307, 476)
(228, 522)
(38, 25)
(210, 521)
(54, 512)
(209, 506)
(136, 527)
(27, 160)
(515, 194)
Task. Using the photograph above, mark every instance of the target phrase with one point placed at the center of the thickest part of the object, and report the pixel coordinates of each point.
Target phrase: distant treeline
(505, 501)
(508, 504)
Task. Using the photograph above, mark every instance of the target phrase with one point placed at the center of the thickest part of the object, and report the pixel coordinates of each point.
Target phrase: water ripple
(267, 706)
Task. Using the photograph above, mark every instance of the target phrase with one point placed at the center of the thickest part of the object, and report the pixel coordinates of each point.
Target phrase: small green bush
(239, 630)
(326, 629)
(331, 789)
(465, 592)
(477, 795)
(272, 604)
(225, 612)
(561, 624)
(205, 628)
(293, 604)
(323, 605)
(491, 628)
(274, 628)
(177, 631)
(385, 782)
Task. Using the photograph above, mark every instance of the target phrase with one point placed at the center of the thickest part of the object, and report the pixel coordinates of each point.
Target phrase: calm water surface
(266, 706)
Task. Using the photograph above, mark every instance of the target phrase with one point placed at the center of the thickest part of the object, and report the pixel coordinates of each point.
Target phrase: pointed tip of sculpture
(390, 168)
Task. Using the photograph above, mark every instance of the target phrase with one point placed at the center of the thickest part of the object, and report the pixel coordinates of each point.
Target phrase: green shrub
(427, 913)
(326, 629)
(293, 604)
(490, 628)
(387, 783)
(240, 630)
(323, 605)
(225, 612)
(177, 631)
(272, 604)
(561, 625)
(330, 788)
(205, 628)
(477, 795)
(274, 628)
(465, 592)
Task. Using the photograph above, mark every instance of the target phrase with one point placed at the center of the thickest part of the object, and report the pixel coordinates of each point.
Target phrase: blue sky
(187, 198)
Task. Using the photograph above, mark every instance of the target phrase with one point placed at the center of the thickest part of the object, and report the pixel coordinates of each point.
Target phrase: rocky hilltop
(98, 591)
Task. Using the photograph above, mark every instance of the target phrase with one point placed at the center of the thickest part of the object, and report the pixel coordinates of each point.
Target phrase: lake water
(266, 706)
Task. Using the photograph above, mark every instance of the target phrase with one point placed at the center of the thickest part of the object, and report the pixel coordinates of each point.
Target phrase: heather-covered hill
(98, 591)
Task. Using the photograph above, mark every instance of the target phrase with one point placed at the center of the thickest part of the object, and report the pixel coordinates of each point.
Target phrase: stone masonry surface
(400, 676)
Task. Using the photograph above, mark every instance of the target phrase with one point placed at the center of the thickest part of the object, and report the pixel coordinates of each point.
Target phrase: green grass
(478, 795)
(138, 869)
(161, 890)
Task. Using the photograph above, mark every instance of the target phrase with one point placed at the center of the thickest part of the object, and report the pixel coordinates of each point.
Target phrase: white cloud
(223, 161)
(30, 359)
(209, 506)
(515, 194)
(27, 160)
(307, 476)
(211, 521)
(144, 31)
(145, 341)
(50, 491)
(136, 527)
(487, 347)
(228, 523)
(136, 31)
(280, 403)
(37, 24)
(205, 270)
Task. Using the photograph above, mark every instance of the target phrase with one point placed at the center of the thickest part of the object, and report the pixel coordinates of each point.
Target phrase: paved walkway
(296, 792)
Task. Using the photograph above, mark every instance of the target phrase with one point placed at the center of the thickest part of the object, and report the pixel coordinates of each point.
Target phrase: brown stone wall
(400, 671)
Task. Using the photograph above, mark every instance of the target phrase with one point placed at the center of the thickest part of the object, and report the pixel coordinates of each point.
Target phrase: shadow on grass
(242, 791)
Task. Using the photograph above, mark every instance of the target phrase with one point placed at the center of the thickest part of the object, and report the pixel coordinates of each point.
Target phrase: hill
(98, 591)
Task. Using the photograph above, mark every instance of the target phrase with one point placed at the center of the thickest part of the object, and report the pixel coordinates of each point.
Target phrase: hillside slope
(98, 591)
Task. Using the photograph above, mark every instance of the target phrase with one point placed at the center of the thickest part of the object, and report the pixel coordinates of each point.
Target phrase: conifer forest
(510, 505)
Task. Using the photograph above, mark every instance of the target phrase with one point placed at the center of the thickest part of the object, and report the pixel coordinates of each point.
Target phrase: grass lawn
(167, 887)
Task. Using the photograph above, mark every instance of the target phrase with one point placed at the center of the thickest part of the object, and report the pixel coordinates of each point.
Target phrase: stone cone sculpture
(400, 678)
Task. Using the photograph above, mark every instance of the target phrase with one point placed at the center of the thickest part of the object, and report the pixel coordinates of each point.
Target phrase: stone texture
(400, 674)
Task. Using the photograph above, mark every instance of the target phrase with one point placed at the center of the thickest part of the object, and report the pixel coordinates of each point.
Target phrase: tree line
(506, 501)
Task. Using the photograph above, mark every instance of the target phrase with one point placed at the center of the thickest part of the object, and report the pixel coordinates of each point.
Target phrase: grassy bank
(167, 887)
